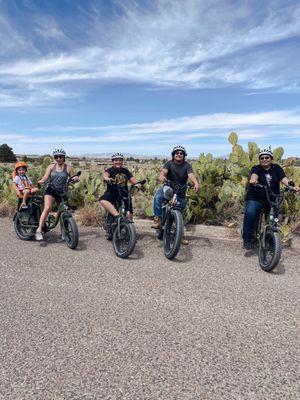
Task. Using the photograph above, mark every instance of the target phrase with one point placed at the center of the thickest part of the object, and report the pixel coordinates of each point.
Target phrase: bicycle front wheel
(270, 254)
(69, 231)
(173, 234)
(124, 239)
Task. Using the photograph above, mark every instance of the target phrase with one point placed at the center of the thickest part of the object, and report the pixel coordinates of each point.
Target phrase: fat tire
(71, 240)
(269, 265)
(129, 227)
(170, 253)
(20, 233)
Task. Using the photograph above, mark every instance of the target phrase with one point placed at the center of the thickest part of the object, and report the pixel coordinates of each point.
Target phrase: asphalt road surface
(84, 324)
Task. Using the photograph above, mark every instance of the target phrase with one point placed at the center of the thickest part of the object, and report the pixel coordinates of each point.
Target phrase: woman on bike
(268, 174)
(57, 176)
(120, 176)
(177, 171)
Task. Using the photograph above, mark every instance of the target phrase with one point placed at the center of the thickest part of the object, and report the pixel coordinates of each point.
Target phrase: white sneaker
(38, 236)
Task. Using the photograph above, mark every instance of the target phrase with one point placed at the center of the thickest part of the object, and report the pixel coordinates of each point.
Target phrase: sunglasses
(265, 158)
(56, 157)
(179, 152)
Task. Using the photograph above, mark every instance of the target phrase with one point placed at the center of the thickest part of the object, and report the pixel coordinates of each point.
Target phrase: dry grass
(90, 215)
(6, 209)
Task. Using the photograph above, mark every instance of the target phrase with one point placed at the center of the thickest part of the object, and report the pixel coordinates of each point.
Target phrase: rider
(268, 174)
(57, 176)
(22, 183)
(177, 171)
(119, 175)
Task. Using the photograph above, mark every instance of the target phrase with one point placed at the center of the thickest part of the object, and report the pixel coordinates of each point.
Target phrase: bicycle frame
(122, 207)
(172, 203)
(63, 209)
(271, 223)
(272, 218)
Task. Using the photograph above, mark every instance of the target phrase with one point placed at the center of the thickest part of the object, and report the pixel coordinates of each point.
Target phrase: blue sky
(141, 76)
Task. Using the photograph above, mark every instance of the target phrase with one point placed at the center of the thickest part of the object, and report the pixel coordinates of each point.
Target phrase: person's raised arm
(253, 179)
(106, 176)
(194, 181)
(70, 170)
(286, 183)
(47, 174)
(163, 175)
(133, 180)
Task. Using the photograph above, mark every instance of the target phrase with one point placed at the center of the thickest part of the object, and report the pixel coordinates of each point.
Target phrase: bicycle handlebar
(278, 197)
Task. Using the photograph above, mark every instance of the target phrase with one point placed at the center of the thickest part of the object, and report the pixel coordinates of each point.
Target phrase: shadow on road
(279, 270)
(137, 254)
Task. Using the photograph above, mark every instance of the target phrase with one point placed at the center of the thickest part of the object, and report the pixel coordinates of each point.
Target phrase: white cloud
(179, 44)
(209, 132)
(208, 121)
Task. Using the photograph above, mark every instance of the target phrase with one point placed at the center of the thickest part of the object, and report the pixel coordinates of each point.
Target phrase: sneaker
(184, 241)
(247, 246)
(23, 207)
(38, 236)
(156, 223)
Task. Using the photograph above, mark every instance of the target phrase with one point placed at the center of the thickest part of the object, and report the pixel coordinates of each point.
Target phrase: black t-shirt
(270, 177)
(178, 175)
(121, 177)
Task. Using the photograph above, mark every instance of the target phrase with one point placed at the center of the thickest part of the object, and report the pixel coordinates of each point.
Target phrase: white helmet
(59, 152)
(181, 148)
(117, 155)
(267, 152)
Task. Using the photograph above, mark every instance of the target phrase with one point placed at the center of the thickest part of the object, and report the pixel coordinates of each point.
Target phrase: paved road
(85, 325)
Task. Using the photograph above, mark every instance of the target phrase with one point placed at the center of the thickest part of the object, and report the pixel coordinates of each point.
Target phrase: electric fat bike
(268, 234)
(120, 229)
(171, 228)
(26, 221)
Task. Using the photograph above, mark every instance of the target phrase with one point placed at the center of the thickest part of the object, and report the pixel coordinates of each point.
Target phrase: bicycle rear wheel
(22, 222)
(270, 254)
(173, 234)
(70, 231)
(124, 239)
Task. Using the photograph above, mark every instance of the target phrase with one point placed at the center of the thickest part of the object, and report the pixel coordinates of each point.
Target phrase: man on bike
(268, 174)
(117, 175)
(177, 171)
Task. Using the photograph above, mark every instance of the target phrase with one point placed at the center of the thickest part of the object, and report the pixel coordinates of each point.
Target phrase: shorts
(116, 201)
(59, 197)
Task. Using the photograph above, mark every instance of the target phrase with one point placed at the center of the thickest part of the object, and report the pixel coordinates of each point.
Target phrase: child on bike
(22, 184)
(120, 176)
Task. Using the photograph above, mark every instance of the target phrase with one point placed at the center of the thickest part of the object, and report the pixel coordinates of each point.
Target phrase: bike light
(168, 192)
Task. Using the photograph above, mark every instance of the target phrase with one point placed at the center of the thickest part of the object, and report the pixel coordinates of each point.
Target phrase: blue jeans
(252, 211)
(158, 199)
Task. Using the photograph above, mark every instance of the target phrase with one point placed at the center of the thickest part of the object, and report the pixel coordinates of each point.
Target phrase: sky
(140, 76)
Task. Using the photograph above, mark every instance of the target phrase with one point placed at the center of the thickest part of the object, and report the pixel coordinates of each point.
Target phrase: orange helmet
(20, 164)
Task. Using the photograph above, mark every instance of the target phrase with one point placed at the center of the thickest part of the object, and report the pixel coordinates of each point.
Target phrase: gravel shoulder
(84, 324)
